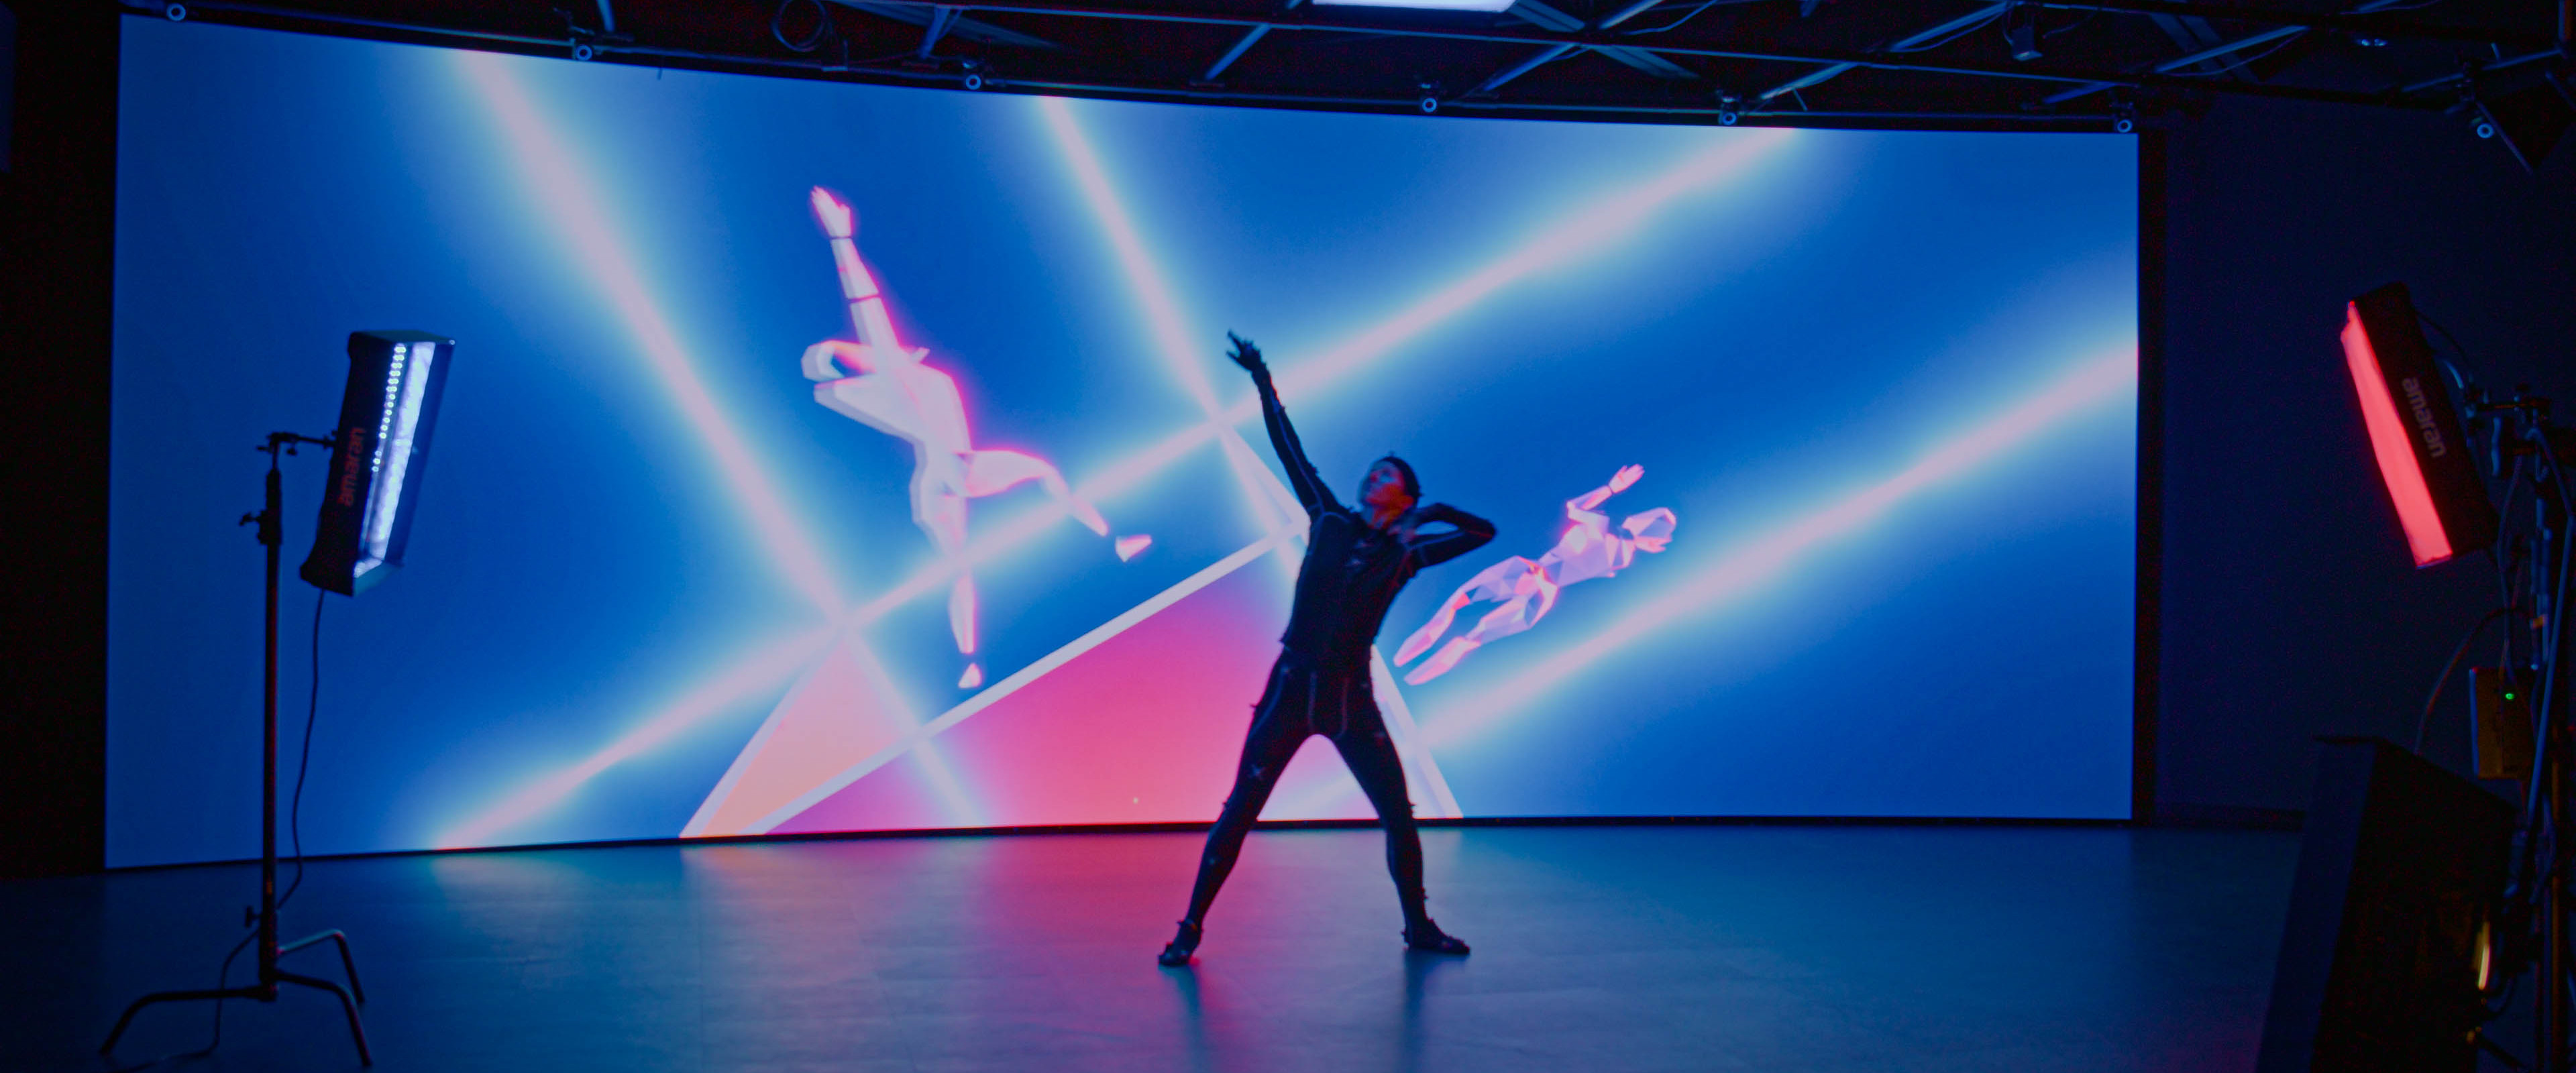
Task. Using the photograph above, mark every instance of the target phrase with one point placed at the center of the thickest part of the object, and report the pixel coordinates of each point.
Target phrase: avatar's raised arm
(858, 286)
(1592, 500)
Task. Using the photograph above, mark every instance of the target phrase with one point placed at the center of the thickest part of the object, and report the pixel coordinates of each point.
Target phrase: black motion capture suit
(1320, 685)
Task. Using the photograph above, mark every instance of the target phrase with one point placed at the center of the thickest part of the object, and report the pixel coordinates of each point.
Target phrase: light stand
(2525, 444)
(2545, 805)
(264, 988)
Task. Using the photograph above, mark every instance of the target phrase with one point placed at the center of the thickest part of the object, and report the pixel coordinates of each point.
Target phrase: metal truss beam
(2360, 20)
(1544, 17)
(1235, 53)
(940, 19)
(1337, 22)
(1913, 41)
(2230, 48)
(1307, 18)
(925, 15)
(1543, 57)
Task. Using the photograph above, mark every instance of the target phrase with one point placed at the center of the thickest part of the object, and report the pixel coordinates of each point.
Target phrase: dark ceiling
(2061, 65)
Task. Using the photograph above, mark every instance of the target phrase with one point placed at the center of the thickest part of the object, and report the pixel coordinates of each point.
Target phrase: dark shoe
(1429, 939)
(1176, 954)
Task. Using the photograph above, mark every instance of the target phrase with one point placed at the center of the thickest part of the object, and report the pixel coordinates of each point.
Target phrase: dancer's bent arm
(1433, 549)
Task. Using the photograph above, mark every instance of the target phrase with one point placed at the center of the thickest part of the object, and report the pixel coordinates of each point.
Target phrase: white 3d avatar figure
(889, 388)
(1526, 590)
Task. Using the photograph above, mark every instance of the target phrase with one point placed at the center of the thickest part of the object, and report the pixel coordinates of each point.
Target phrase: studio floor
(1790, 948)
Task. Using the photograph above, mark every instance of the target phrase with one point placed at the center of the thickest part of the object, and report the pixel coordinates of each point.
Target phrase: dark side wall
(2289, 606)
(56, 217)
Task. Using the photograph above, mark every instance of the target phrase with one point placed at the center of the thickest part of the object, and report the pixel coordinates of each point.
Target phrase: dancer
(1528, 589)
(1355, 562)
(889, 388)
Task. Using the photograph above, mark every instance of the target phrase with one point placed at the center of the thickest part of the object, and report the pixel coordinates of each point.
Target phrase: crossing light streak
(1748, 567)
(567, 199)
(1592, 228)
(1273, 506)
(764, 667)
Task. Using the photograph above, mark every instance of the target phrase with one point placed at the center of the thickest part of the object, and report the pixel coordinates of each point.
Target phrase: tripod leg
(347, 963)
(348, 1006)
(172, 996)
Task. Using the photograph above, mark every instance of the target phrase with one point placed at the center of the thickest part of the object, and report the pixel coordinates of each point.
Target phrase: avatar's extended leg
(989, 472)
(961, 612)
(1439, 624)
(941, 513)
(1519, 613)
(1496, 582)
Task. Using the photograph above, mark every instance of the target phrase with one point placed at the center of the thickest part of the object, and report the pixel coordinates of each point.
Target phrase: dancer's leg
(989, 472)
(1278, 728)
(1371, 756)
(1273, 741)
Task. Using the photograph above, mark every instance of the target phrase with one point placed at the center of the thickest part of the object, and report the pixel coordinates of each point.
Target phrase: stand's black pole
(264, 989)
(2553, 913)
(2557, 718)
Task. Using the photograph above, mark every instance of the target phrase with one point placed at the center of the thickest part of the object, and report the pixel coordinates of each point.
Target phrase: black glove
(1247, 355)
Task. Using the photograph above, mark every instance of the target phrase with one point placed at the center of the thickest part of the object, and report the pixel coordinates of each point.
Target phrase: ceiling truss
(2086, 64)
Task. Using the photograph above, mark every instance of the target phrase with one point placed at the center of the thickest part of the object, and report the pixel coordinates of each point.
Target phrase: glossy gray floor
(1597, 949)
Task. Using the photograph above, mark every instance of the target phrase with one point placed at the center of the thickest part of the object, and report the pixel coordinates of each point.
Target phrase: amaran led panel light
(377, 457)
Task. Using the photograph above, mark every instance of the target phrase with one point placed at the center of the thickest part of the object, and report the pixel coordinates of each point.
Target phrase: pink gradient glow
(2426, 539)
(1033, 673)
(572, 205)
(842, 709)
(1137, 728)
(1747, 567)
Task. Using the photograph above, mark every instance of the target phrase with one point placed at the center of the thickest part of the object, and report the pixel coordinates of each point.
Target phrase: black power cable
(2424, 721)
(1694, 13)
(294, 813)
(304, 753)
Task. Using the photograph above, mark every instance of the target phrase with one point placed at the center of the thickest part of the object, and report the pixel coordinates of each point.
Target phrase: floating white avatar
(891, 389)
(1589, 549)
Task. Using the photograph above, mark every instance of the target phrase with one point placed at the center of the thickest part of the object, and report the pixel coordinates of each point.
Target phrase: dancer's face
(1383, 490)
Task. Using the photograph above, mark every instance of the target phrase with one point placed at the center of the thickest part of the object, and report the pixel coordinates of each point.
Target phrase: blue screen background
(1765, 345)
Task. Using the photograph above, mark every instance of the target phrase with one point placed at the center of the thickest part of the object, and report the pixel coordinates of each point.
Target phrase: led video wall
(1813, 453)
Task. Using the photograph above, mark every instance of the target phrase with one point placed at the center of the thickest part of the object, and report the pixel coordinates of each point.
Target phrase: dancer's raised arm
(1302, 477)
